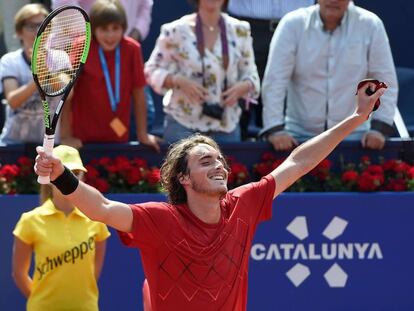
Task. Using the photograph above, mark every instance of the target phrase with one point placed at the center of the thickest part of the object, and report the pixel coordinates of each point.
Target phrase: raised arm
(305, 157)
(88, 199)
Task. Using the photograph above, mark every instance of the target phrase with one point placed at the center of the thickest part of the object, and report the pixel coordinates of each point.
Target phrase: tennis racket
(59, 53)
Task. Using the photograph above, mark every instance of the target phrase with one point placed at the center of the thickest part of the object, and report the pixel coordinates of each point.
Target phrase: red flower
(112, 168)
(122, 167)
(268, 165)
(350, 176)
(26, 166)
(375, 170)
(369, 182)
(139, 162)
(238, 168)
(397, 184)
(365, 160)
(262, 169)
(9, 172)
(396, 166)
(104, 161)
(322, 170)
(122, 164)
(401, 167)
(101, 184)
(410, 173)
(389, 165)
(133, 175)
(123, 175)
(153, 176)
(92, 173)
(25, 161)
(239, 174)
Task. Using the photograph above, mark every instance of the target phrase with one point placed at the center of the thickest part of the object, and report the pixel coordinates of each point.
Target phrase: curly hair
(176, 164)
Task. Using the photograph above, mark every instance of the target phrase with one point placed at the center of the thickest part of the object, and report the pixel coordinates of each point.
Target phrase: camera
(213, 110)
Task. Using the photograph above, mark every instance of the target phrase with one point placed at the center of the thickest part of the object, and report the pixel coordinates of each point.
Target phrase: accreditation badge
(118, 127)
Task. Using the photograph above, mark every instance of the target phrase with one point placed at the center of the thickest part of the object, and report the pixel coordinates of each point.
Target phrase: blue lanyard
(114, 99)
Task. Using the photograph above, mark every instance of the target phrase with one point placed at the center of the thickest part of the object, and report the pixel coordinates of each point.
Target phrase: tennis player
(195, 248)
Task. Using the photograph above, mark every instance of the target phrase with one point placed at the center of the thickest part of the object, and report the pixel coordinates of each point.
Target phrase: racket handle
(48, 143)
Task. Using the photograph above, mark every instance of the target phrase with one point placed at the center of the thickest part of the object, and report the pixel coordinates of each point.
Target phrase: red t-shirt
(191, 265)
(91, 107)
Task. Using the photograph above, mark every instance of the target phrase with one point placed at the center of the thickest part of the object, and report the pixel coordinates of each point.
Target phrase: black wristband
(66, 182)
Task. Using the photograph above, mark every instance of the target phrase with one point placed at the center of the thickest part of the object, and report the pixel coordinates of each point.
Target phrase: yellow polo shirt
(64, 248)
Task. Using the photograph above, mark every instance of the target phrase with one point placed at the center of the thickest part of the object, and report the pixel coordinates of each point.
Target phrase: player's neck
(206, 208)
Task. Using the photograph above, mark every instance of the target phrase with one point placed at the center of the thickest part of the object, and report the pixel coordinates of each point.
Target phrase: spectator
(100, 108)
(316, 57)
(24, 113)
(204, 93)
(9, 11)
(69, 249)
(138, 14)
(263, 17)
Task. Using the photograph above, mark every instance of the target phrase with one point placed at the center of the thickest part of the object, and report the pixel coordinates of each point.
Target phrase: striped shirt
(265, 9)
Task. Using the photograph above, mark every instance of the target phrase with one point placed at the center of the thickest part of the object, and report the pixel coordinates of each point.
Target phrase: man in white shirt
(263, 17)
(316, 57)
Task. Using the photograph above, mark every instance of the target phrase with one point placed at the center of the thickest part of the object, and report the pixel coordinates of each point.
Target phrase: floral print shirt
(176, 53)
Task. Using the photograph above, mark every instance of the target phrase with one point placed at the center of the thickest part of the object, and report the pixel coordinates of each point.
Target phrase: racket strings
(61, 47)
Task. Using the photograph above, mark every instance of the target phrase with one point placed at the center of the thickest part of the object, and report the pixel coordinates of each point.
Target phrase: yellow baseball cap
(70, 157)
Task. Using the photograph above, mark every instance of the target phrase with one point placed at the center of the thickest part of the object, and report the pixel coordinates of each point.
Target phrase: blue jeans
(174, 131)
